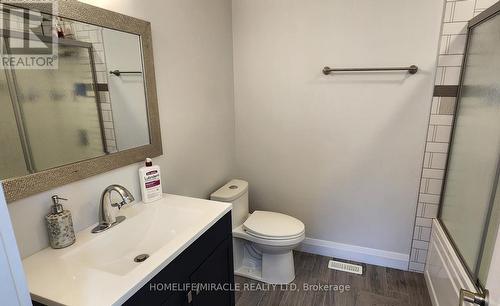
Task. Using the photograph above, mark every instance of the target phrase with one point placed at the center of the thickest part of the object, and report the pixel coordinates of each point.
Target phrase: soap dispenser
(60, 225)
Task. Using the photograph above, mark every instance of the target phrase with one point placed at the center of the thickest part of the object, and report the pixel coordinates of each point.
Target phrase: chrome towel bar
(118, 72)
(411, 69)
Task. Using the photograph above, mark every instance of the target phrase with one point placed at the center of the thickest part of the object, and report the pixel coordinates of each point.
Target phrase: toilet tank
(235, 192)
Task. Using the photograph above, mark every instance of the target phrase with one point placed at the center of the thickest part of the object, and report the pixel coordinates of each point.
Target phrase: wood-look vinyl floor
(376, 287)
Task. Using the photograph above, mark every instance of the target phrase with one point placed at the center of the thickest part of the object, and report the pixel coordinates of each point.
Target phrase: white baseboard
(356, 253)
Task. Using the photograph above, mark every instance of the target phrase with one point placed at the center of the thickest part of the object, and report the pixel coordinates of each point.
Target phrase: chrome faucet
(106, 217)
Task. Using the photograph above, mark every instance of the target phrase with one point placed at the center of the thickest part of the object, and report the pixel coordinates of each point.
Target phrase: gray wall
(342, 153)
(193, 60)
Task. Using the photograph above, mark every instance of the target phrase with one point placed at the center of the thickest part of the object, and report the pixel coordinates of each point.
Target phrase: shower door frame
(489, 13)
(23, 138)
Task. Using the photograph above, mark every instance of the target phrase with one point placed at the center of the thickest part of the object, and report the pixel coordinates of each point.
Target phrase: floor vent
(345, 267)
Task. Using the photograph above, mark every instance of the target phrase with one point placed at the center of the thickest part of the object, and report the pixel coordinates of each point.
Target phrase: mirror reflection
(92, 104)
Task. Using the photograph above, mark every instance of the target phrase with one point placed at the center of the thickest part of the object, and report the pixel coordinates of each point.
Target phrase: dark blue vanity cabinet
(207, 262)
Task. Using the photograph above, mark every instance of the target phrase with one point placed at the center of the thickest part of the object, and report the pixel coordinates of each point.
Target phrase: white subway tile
(417, 267)
(457, 44)
(106, 115)
(433, 174)
(431, 133)
(100, 67)
(455, 28)
(422, 256)
(421, 245)
(434, 186)
(448, 11)
(436, 147)
(425, 233)
(83, 37)
(451, 75)
(435, 105)
(452, 47)
(447, 106)
(81, 32)
(484, 4)
(423, 185)
(99, 58)
(442, 133)
(443, 45)
(414, 255)
(427, 160)
(104, 97)
(420, 209)
(108, 125)
(112, 149)
(428, 198)
(441, 120)
(98, 46)
(109, 133)
(101, 77)
(450, 60)
(93, 36)
(438, 160)
(424, 222)
(464, 10)
(431, 210)
(416, 232)
(439, 76)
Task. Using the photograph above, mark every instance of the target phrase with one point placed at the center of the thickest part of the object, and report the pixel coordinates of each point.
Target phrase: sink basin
(99, 269)
(146, 229)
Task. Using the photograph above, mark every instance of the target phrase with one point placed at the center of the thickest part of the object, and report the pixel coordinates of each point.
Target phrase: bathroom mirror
(77, 94)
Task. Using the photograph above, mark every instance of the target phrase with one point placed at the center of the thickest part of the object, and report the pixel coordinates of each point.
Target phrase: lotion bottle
(150, 180)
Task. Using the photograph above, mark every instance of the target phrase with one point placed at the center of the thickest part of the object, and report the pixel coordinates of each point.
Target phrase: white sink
(99, 269)
(146, 229)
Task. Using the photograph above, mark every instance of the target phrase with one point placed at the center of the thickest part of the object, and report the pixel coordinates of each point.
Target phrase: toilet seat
(273, 226)
(241, 233)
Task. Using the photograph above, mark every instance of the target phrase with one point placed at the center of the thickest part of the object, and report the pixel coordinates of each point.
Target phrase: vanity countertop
(99, 269)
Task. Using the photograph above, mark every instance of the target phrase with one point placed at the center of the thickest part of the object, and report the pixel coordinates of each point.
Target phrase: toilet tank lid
(231, 191)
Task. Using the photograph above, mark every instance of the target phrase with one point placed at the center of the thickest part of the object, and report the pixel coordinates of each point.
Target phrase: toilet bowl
(263, 241)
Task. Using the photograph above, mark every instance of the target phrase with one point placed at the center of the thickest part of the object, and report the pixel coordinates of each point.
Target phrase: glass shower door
(472, 172)
(60, 110)
(57, 112)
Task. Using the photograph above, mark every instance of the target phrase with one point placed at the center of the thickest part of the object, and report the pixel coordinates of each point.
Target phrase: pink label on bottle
(152, 184)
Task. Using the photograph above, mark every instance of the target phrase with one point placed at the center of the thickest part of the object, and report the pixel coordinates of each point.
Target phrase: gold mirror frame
(24, 186)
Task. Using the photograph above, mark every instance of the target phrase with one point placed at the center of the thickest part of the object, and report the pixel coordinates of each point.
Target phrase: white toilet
(262, 241)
